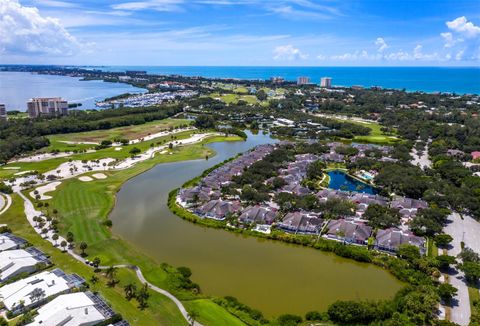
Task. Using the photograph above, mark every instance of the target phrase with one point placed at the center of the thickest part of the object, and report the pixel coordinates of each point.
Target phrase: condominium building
(303, 80)
(81, 308)
(20, 261)
(47, 106)
(3, 112)
(8, 242)
(326, 82)
(35, 290)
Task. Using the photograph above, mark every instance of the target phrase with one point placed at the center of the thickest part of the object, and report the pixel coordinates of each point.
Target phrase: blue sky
(241, 32)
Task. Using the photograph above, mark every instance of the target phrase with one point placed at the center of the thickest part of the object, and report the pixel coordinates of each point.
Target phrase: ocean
(460, 80)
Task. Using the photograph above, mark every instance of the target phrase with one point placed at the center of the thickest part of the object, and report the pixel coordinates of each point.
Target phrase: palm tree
(83, 246)
(63, 244)
(93, 279)
(142, 297)
(192, 316)
(55, 238)
(130, 289)
(37, 294)
(111, 273)
(96, 262)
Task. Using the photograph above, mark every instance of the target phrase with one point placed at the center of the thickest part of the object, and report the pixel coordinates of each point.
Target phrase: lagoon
(271, 276)
(16, 88)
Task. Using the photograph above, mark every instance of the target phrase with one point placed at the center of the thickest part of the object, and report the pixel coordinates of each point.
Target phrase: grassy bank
(83, 206)
(161, 310)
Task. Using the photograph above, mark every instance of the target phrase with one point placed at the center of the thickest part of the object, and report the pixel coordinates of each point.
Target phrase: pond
(270, 276)
(340, 180)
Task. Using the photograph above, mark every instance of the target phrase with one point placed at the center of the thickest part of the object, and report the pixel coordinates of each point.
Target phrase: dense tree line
(18, 136)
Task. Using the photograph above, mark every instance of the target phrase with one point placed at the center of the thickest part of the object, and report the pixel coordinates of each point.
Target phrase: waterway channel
(270, 276)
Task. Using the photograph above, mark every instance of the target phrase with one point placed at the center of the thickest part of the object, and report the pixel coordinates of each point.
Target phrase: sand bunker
(23, 172)
(12, 168)
(118, 148)
(85, 179)
(42, 190)
(99, 176)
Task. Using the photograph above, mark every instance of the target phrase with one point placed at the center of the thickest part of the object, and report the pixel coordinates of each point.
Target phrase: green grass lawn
(213, 313)
(82, 206)
(161, 310)
(128, 132)
(234, 98)
(376, 135)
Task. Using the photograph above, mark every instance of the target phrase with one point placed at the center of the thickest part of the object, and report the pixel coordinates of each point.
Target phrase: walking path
(468, 231)
(31, 212)
(5, 202)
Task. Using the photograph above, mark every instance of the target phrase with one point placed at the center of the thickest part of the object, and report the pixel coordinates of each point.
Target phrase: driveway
(468, 231)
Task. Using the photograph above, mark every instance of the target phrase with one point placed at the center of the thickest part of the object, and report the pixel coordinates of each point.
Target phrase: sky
(241, 32)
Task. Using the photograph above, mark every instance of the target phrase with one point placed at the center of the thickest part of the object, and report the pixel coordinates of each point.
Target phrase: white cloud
(56, 4)
(382, 45)
(419, 55)
(462, 26)
(23, 30)
(449, 40)
(288, 53)
(158, 5)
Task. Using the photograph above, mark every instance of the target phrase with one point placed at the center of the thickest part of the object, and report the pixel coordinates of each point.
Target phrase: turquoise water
(460, 80)
(16, 88)
(341, 181)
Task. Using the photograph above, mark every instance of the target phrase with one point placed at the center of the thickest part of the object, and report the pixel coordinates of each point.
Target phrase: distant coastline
(459, 80)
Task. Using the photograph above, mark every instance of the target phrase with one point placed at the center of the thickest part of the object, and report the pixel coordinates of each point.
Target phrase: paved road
(468, 231)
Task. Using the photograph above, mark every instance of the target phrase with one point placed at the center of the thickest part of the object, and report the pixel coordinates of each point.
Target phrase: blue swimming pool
(340, 180)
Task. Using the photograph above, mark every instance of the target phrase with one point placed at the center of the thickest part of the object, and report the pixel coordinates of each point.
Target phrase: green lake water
(270, 276)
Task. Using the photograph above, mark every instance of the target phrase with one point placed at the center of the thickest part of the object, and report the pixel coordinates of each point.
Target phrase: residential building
(326, 82)
(391, 239)
(258, 214)
(303, 80)
(301, 222)
(47, 106)
(3, 112)
(8, 241)
(20, 261)
(218, 209)
(33, 291)
(475, 155)
(79, 309)
(349, 231)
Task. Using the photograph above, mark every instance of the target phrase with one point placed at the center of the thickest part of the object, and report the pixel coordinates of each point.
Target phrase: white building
(36, 289)
(73, 309)
(47, 106)
(8, 241)
(303, 80)
(15, 262)
(326, 82)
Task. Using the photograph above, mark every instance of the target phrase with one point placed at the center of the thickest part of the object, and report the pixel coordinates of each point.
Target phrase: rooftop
(81, 308)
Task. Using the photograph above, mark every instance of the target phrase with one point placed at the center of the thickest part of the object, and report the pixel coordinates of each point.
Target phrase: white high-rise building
(47, 106)
(303, 80)
(326, 82)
